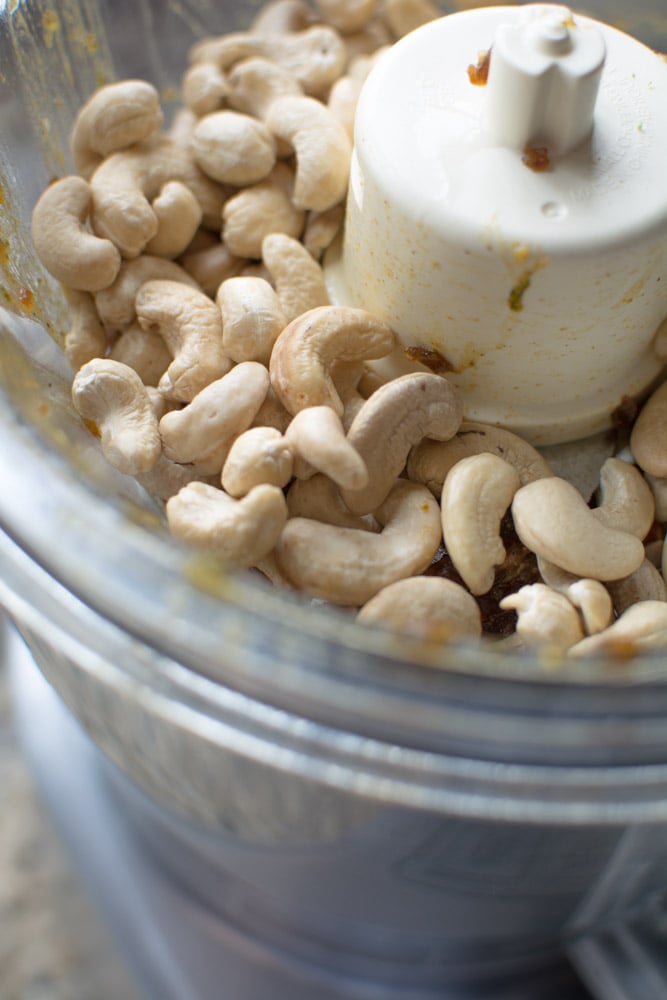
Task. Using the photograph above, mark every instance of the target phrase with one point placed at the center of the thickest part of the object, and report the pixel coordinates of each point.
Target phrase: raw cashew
(308, 346)
(178, 215)
(319, 499)
(590, 597)
(281, 17)
(86, 337)
(546, 618)
(427, 607)
(211, 265)
(67, 250)
(144, 351)
(645, 584)
(404, 16)
(395, 418)
(626, 499)
(240, 532)
(322, 148)
(346, 16)
(642, 626)
(255, 211)
(297, 278)
(256, 83)
(191, 327)
(204, 88)
(346, 566)
(321, 230)
(202, 433)
(116, 304)
(258, 455)
(476, 493)
(113, 397)
(648, 440)
(115, 117)
(316, 436)
(430, 461)
(252, 318)
(553, 520)
(233, 148)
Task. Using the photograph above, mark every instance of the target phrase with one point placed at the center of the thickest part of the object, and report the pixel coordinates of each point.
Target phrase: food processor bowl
(368, 816)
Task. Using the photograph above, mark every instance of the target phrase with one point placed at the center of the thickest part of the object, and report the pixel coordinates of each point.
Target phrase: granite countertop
(52, 945)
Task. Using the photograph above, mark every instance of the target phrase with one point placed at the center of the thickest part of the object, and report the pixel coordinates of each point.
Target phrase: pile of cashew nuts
(214, 368)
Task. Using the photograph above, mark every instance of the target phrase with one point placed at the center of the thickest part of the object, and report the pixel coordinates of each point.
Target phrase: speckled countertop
(52, 946)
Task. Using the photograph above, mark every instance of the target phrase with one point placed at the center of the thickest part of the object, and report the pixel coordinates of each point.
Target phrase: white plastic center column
(514, 233)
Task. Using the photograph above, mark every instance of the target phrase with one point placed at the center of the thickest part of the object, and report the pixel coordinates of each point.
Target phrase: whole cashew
(642, 626)
(319, 499)
(316, 437)
(204, 88)
(252, 318)
(259, 209)
(233, 148)
(254, 85)
(115, 400)
(258, 455)
(476, 493)
(308, 346)
(645, 584)
(178, 215)
(281, 17)
(546, 618)
(86, 337)
(191, 327)
(649, 433)
(144, 351)
(427, 607)
(67, 250)
(240, 532)
(346, 16)
(210, 265)
(166, 478)
(404, 16)
(322, 148)
(590, 597)
(321, 230)
(626, 499)
(297, 278)
(347, 566)
(115, 117)
(553, 520)
(116, 304)
(394, 419)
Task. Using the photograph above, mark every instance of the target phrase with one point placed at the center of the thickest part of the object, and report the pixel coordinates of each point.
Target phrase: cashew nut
(233, 148)
(319, 499)
(626, 499)
(272, 413)
(191, 327)
(346, 16)
(258, 455)
(114, 399)
(395, 418)
(347, 566)
(553, 520)
(281, 17)
(178, 215)
(144, 351)
(240, 532)
(297, 278)
(404, 16)
(166, 478)
(322, 148)
(116, 304)
(211, 265)
(69, 252)
(426, 607)
(642, 626)
(262, 208)
(115, 117)
(203, 431)
(476, 493)
(321, 230)
(316, 436)
(204, 88)
(590, 597)
(546, 618)
(648, 439)
(308, 346)
(645, 584)
(86, 337)
(254, 85)
(430, 461)
(252, 318)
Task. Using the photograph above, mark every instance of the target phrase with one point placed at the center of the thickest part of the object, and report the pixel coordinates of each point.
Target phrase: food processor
(265, 799)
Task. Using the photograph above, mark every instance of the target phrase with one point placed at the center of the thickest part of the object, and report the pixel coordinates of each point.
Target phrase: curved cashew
(258, 455)
(254, 85)
(272, 413)
(546, 618)
(475, 496)
(281, 17)
(553, 520)
(395, 418)
(626, 499)
(252, 318)
(115, 117)
(404, 16)
(178, 215)
(642, 626)
(211, 265)
(125, 183)
(297, 278)
(240, 532)
(427, 607)
(233, 148)
(86, 337)
(116, 304)
(204, 88)
(144, 351)
(648, 439)
(346, 566)
(590, 597)
(260, 209)
(346, 16)
(321, 230)
(203, 431)
(191, 327)
(342, 102)
(645, 584)
(316, 437)
(322, 147)
(115, 400)
(319, 499)
(316, 56)
(308, 346)
(67, 250)
(430, 461)
(166, 478)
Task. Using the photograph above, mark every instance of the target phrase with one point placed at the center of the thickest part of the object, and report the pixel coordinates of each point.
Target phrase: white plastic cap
(515, 233)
